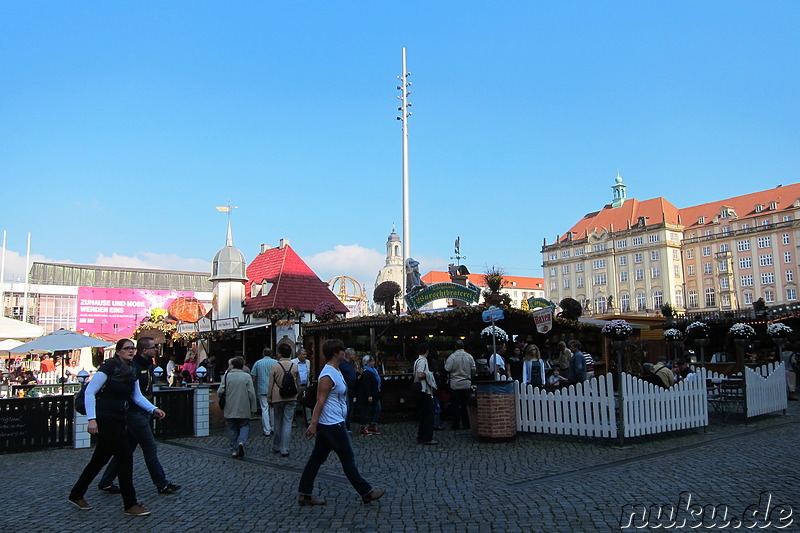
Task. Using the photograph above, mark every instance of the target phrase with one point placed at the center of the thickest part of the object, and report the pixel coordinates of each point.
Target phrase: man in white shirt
(304, 369)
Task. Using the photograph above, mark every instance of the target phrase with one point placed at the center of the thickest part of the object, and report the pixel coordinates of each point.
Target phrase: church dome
(228, 265)
(394, 237)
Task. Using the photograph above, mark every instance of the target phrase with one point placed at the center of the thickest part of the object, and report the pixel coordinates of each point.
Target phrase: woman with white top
(328, 425)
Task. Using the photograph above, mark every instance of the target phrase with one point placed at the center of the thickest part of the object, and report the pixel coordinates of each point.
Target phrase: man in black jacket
(369, 397)
(138, 424)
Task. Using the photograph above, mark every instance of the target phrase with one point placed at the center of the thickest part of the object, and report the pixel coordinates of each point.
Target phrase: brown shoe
(373, 428)
(310, 500)
(80, 503)
(374, 495)
(136, 510)
(364, 431)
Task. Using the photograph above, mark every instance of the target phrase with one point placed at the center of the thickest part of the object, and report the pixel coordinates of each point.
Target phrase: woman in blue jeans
(328, 425)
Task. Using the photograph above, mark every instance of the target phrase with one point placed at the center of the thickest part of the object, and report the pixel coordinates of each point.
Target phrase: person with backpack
(285, 380)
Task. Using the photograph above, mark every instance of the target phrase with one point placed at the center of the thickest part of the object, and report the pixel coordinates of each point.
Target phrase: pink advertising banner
(119, 311)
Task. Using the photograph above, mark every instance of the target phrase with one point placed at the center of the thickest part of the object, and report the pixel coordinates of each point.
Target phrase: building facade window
(641, 301)
(765, 242)
(711, 299)
(743, 246)
(790, 275)
(637, 241)
(565, 254)
(600, 279)
(769, 296)
(724, 247)
(747, 280)
(707, 268)
(724, 283)
(565, 269)
(690, 270)
(625, 303)
(678, 297)
(623, 260)
(765, 260)
(639, 274)
(791, 294)
(725, 300)
(723, 266)
(653, 237)
(599, 247)
(553, 271)
(566, 283)
(655, 272)
(787, 257)
(692, 295)
(785, 238)
(622, 243)
(579, 282)
(553, 286)
(579, 267)
(767, 278)
(601, 304)
(578, 251)
(677, 269)
(623, 276)
(748, 298)
(553, 256)
(637, 258)
(598, 263)
(746, 262)
(690, 254)
(654, 255)
(706, 250)
(658, 299)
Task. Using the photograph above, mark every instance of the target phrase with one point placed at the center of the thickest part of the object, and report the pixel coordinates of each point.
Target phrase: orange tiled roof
(655, 211)
(744, 206)
(517, 282)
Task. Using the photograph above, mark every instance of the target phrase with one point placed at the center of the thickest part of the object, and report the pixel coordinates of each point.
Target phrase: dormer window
(724, 213)
(773, 206)
(255, 289)
(759, 208)
(701, 220)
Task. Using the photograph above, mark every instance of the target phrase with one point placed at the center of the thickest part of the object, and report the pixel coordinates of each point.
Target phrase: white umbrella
(62, 339)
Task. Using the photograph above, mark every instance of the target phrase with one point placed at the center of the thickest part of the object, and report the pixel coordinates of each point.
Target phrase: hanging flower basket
(742, 331)
(618, 330)
(673, 335)
(778, 330)
(493, 331)
(697, 330)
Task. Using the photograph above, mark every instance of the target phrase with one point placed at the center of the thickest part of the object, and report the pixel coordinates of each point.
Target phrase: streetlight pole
(404, 114)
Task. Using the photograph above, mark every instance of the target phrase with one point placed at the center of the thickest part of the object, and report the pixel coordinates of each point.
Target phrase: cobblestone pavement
(536, 483)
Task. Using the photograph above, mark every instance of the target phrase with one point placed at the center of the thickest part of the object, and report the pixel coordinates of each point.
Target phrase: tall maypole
(404, 114)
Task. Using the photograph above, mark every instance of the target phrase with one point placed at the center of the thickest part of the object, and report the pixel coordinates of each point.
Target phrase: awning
(252, 326)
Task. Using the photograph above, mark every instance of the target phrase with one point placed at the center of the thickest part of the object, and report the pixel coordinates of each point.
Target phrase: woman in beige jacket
(240, 402)
(283, 406)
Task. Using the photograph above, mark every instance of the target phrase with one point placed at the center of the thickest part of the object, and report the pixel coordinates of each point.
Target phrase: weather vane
(458, 257)
(227, 209)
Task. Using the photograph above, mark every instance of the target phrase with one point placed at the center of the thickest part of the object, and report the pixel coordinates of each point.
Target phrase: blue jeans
(333, 438)
(139, 433)
(238, 431)
(284, 414)
(371, 411)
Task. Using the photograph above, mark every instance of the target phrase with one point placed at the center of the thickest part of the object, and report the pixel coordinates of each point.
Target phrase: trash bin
(497, 411)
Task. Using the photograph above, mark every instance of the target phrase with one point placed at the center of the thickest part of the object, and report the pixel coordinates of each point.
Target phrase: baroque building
(634, 256)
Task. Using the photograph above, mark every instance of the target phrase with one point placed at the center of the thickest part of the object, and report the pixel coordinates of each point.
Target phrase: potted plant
(742, 332)
(673, 335)
(498, 333)
(385, 294)
(697, 330)
(571, 309)
(493, 278)
(778, 330)
(618, 330)
(324, 312)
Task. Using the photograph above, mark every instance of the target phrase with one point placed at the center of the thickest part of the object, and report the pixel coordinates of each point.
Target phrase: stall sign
(438, 291)
(543, 318)
(187, 328)
(492, 314)
(204, 325)
(534, 303)
(226, 323)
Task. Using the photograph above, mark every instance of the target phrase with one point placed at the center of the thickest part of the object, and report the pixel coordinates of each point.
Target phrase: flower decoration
(493, 331)
(779, 330)
(697, 330)
(742, 331)
(617, 328)
(673, 334)
(325, 312)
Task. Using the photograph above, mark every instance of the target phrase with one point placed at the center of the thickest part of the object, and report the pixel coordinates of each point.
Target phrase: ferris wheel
(350, 293)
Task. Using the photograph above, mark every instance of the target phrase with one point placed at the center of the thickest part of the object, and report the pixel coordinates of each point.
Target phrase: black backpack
(288, 387)
(80, 398)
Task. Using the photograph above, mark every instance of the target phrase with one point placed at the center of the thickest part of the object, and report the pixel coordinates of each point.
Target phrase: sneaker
(171, 488)
(80, 503)
(136, 510)
(111, 489)
(374, 495)
(373, 428)
(364, 431)
(240, 450)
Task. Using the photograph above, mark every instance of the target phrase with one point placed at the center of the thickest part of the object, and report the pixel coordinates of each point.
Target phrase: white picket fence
(649, 409)
(589, 408)
(765, 389)
(585, 409)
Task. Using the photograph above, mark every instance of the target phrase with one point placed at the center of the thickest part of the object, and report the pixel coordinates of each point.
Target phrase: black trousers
(460, 397)
(425, 406)
(112, 441)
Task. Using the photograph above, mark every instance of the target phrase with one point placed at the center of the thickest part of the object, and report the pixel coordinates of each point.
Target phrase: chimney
(265, 247)
(283, 243)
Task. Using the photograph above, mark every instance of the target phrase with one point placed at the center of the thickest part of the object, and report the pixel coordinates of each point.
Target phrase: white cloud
(352, 260)
(15, 264)
(154, 260)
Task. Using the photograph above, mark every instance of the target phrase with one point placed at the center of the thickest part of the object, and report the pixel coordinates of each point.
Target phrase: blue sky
(122, 124)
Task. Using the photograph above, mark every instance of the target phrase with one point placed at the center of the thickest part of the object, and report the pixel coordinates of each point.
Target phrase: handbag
(221, 400)
(416, 390)
(309, 397)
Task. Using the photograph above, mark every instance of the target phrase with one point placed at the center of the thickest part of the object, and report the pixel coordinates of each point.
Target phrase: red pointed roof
(654, 210)
(294, 284)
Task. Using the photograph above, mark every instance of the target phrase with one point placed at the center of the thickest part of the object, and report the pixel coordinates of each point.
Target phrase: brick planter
(497, 413)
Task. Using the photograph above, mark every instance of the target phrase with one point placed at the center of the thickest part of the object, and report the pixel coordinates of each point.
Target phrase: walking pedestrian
(116, 382)
(369, 397)
(328, 425)
(240, 402)
(283, 406)
(137, 421)
(304, 370)
(348, 369)
(424, 377)
(260, 374)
